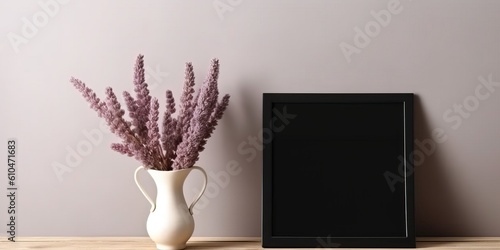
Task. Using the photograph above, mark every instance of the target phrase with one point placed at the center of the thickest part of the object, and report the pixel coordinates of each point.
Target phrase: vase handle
(202, 190)
(153, 205)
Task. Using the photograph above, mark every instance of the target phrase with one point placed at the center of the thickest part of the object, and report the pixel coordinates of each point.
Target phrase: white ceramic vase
(170, 223)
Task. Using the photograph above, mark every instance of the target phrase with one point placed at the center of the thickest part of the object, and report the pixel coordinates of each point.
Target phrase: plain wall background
(435, 49)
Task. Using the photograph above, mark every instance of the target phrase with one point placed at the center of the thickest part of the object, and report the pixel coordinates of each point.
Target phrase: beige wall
(435, 49)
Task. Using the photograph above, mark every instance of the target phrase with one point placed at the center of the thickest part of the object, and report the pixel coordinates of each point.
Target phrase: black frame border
(269, 241)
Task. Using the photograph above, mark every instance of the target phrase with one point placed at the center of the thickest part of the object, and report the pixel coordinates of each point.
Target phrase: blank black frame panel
(338, 170)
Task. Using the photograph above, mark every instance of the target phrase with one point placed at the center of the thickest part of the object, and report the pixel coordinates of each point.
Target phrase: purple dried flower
(152, 125)
(195, 99)
(143, 99)
(90, 96)
(182, 139)
(187, 151)
(115, 114)
(121, 148)
(214, 118)
(153, 144)
(186, 111)
(169, 131)
(207, 99)
(122, 128)
(132, 111)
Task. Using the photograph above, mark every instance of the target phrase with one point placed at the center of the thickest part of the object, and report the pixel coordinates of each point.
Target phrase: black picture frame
(279, 115)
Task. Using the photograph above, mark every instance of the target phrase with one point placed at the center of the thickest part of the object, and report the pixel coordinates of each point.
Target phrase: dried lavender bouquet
(181, 139)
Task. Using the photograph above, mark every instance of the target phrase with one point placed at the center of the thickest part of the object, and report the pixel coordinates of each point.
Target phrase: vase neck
(169, 181)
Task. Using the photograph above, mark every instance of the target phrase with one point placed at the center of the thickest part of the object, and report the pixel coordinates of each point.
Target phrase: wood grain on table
(139, 243)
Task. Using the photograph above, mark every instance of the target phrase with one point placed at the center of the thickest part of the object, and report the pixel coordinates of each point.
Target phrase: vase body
(170, 223)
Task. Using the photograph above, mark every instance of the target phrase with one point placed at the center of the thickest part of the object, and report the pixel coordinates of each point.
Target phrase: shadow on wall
(437, 206)
(235, 183)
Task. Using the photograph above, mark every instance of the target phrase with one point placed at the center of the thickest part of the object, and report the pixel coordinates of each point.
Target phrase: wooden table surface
(139, 243)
